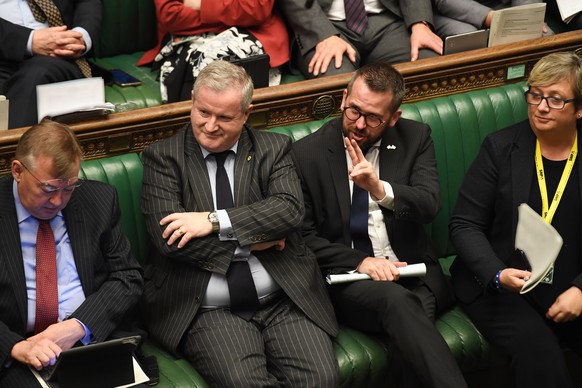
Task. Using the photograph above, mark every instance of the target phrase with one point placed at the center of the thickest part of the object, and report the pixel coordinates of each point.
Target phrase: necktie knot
(223, 189)
(220, 157)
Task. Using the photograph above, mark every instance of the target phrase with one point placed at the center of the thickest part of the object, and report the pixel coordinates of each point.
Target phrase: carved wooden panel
(314, 99)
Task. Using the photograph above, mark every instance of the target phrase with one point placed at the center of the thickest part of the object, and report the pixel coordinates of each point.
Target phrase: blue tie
(244, 300)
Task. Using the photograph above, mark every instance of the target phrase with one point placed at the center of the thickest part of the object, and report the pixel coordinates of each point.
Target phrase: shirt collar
(205, 152)
(21, 213)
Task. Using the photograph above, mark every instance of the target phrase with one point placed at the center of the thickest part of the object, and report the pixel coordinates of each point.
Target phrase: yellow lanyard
(548, 214)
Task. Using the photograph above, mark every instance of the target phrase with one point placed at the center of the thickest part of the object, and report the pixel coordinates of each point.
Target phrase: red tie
(47, 291)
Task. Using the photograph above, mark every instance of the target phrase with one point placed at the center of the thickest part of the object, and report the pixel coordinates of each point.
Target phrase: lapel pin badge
(391, 147)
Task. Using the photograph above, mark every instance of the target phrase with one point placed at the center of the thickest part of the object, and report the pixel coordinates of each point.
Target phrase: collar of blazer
(10, 250)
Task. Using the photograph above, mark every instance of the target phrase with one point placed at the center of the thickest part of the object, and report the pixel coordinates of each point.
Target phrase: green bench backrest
(128, 26)
(459, 124)
(125, 173)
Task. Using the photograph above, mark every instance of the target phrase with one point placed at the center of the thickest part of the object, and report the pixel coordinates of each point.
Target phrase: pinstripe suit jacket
(269, 206)
(111, 278)
(410, 167)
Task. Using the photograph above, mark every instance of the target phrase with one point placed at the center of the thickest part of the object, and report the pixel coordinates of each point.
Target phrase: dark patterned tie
(47, 291)
(244, 300)
(359, 219)
(356, 18)
(47, 11)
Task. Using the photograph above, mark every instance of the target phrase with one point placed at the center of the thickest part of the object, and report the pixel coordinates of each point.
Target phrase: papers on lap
(568, 9)
(540, 242)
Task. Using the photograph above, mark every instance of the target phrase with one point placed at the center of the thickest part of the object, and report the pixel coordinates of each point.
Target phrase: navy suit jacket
(111, 278)
(409, 165)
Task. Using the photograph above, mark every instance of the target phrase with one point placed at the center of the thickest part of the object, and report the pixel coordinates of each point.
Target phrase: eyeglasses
(54, 185)
(553, 102)
(370, 119)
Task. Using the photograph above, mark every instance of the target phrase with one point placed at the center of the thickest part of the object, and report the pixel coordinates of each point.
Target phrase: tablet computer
(465, 42)
(104, 364)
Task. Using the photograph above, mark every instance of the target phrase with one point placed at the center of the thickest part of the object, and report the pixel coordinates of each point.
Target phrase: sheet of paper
(408, 271)
(3, 113)
(70, 96)
(540, 242)
(515, 24)
(569, 8)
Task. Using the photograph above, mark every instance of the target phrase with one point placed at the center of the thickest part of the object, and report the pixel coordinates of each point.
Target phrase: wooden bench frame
(304, 101)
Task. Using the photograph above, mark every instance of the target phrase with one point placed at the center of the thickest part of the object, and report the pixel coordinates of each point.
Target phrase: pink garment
(257, 16)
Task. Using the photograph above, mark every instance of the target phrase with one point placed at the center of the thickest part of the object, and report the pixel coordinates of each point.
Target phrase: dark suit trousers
(515, 325)
(420, 356)
(18, 83)
(386, 39)
(279, 346)
(18, 376)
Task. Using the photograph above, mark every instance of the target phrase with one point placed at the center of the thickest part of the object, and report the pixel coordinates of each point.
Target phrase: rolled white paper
(407, 271)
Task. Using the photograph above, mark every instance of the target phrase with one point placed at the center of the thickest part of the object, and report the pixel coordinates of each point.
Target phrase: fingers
(36, 353)
(379, 269)
(352, 55)
(354, 151)
(328, 50)
(173, 234)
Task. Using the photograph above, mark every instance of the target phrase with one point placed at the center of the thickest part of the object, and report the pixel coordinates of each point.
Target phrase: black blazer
(407, 161)
(110, 276)
(484, 221)
(269, 206)
(75, 13)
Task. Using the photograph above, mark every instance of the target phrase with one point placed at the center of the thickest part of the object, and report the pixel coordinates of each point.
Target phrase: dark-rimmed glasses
(553, 102)
(371, 120)
(53, 185)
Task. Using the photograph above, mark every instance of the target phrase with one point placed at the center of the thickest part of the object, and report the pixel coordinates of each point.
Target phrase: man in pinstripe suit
(98, 279)
(285, 340)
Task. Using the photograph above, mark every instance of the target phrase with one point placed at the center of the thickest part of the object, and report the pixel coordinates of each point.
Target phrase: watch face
(213, 218)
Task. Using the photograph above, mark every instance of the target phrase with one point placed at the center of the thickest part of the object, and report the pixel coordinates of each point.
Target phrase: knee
(327, 376)
(400, 302)
(42, 69)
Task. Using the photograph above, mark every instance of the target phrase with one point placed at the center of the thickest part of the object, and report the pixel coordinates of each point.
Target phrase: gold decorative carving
(323, 107)
(454, 83)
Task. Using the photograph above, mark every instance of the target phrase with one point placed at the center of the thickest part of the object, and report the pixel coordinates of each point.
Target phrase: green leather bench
(459, 123)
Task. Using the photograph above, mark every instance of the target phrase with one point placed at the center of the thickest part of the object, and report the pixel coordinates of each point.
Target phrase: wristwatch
(213, 218)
